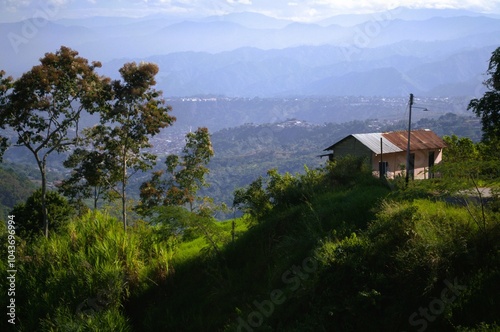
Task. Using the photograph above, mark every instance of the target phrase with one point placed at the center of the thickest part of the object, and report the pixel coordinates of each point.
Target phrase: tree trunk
(43, 172)
(96, 197)
(124, 185)
(124, 208)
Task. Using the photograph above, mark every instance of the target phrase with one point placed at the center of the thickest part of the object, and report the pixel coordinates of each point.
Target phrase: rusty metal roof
(397, 141)
(424, 139)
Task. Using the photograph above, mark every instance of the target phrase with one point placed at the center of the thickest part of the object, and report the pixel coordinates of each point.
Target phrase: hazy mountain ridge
(252, 72)
(428, 52)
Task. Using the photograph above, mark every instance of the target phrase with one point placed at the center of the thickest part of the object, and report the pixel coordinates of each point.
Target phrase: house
(387, 152)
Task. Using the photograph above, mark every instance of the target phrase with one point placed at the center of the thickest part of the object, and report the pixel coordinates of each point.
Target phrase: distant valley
(255, 81)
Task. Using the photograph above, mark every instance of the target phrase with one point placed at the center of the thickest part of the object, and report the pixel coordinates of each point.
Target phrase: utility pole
(408, 147)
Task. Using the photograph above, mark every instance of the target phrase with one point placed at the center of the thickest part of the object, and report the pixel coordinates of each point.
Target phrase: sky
(298, 10)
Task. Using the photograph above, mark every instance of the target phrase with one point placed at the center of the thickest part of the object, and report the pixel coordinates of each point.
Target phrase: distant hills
(427, 52)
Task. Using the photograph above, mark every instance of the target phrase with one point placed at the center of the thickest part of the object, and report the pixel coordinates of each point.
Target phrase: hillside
(15, 187)
(330, 246)
(246, 152)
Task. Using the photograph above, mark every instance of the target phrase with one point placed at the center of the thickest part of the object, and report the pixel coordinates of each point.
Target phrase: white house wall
(397, 162)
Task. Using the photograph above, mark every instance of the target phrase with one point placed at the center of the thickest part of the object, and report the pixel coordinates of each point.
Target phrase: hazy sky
(302, 10)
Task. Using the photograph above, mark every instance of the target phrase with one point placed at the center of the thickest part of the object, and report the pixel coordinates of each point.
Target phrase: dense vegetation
(15, 187)
(316, 251)
(244, 153)
(331, 248)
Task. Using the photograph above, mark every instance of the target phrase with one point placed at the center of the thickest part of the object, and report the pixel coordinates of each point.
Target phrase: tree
(184, 175)
(170, 191)
(45, 105)
(90, 177)
(135, 114)
(5, 86)
(30, 216)
(253, 199)
(488, 106)
(459, 149)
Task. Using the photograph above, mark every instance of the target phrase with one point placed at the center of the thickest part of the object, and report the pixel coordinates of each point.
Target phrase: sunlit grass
(81, 276)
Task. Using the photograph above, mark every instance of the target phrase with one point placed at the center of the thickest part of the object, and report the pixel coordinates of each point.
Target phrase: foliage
(487, 107)
(168, 192)
(348, 170)
(82, 277)
(185, 175)
(459, 149)
(253, 199)
(365, 256)
(30, 220)
(14, 188)
(254, 263)
(135, 114)
(264, 196)
(90, 177)
(5, 86)
(422, 244)
(46, 103)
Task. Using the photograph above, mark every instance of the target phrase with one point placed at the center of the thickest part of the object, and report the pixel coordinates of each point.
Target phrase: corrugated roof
(371, 141)
(397, 141)
(419, 140)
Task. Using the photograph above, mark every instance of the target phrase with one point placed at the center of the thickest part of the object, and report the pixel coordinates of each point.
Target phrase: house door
(411, 170)
(431, 163)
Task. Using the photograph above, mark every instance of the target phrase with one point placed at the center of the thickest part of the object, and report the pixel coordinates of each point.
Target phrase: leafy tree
(463, 159)
(5, 86)
(45, 105)
(171, 190)
(185, 175)
(253, 199)
(459, 149)
(135, 114)
(30, 218)
(90, 178)
(488, 106)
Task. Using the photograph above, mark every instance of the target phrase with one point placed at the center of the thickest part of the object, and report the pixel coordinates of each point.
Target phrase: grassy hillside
(329, 250)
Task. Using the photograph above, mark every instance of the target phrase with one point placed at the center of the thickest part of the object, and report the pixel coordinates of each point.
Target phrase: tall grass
(80, 278)
(400, 263)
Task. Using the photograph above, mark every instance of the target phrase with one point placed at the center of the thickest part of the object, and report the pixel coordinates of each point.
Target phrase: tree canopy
(44, 106)
(184, 176)
(488, 106)
(134, 114)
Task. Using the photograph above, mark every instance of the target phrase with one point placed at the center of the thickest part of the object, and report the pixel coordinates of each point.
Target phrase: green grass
(379, 256)
(80, 277)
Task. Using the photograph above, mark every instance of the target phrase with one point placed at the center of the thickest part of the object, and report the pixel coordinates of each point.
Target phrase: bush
(82, 277)
(348, 171)
(30, 218)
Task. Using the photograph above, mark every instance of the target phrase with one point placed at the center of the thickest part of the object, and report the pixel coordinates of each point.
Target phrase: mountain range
(429, 52)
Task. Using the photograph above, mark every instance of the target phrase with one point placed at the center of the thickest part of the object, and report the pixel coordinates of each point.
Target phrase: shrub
(81, 277)
(30, 218)
(348, 171)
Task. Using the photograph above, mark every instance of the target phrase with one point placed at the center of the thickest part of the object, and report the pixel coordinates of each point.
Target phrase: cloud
(377, 5)
(304, 10)
(243, 2)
